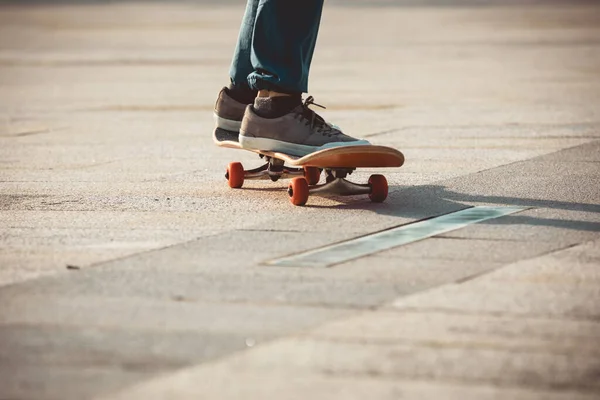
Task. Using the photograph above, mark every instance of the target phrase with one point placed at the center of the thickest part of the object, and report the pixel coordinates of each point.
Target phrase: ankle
(272, 93)
(274, 104)
(242, 93)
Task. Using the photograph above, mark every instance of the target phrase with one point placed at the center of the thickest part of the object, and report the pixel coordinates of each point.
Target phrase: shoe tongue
(310, 114)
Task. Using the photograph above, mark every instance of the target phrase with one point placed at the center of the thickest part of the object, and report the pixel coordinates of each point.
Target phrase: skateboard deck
(336, 157)
(337, 162)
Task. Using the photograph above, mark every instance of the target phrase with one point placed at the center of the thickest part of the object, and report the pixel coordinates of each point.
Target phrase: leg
(275, 47)
(274, 53)
(232, 101)
(284, 38)
(241, 66)
(283, 42)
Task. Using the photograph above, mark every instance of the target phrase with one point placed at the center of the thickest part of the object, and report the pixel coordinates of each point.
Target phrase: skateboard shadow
(426, 201)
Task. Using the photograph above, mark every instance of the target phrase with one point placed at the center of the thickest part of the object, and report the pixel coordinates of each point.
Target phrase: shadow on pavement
(433, 200)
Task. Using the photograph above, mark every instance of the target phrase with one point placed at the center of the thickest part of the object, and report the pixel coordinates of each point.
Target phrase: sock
(241, 93)
(275, 107)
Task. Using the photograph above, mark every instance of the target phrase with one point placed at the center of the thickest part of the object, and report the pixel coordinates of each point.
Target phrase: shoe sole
(227, 124)
(264, 144)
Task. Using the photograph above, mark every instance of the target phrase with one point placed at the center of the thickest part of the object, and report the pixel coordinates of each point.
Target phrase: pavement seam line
(376, 242)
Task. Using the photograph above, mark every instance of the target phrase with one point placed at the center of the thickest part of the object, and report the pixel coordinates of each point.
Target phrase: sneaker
(228, 113)
(300, 132)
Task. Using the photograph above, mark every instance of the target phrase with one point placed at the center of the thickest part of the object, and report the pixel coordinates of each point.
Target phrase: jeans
(276, 44)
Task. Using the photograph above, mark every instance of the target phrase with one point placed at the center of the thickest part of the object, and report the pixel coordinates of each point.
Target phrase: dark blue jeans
(276, 44)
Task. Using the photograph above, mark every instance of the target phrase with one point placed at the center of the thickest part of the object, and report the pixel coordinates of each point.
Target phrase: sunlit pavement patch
(355, 248)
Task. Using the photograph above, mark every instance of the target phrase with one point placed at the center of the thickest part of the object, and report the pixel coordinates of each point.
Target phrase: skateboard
(336, 162)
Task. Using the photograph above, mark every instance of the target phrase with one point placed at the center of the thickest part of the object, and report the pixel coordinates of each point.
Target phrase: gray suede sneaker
(228, 112)
(300, 132)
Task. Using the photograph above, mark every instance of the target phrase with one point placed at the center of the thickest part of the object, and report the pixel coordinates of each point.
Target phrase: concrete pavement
(130, 270)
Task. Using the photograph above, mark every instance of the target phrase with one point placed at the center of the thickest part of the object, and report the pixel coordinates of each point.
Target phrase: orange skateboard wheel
(298, 191)
(235, 175)
(312, 175)
(379, 188)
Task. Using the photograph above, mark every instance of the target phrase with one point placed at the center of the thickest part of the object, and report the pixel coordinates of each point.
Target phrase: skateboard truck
(267, 172)
(337, 185)
(274, 169)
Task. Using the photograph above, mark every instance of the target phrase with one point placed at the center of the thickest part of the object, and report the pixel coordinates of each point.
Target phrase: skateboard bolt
(290, 191)
(227, 175)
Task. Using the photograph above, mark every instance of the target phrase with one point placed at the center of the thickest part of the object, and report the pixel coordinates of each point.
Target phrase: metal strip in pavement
(365, 245)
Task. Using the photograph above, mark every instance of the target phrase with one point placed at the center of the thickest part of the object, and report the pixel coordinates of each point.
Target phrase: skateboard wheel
(298, 191)
(379, 188)
(312, 175)
(235, 175)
